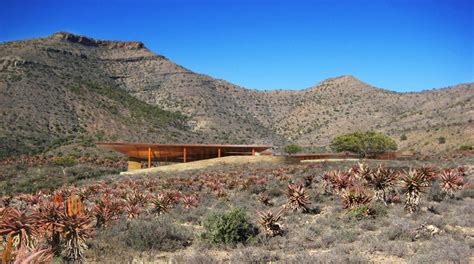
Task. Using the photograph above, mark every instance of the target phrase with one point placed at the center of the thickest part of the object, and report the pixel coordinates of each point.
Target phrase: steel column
(184, 154)
(149, 157)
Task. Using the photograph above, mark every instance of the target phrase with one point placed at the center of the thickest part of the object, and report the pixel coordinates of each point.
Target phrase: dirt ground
(201, 164)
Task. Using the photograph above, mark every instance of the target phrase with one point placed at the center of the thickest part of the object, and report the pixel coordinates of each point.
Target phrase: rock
(90, 42)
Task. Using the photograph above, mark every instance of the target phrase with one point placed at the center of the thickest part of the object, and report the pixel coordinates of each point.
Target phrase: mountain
(67, 88)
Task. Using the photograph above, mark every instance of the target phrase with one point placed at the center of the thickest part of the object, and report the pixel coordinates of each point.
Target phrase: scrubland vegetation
(289, 213)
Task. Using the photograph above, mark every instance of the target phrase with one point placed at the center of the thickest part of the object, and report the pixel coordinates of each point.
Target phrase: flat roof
(175, 152)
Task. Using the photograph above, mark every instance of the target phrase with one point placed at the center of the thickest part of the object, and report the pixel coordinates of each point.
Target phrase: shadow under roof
(177, 152)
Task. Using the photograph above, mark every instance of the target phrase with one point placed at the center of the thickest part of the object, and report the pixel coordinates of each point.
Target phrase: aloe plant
(74, 227)
(106, 210)
(451, 182)
(264, 199)
(19, 226)
(161, 204)
(381, 180)
(414, 182)
(298, 197)
(269, 222)
(189, 201)
(355, 196)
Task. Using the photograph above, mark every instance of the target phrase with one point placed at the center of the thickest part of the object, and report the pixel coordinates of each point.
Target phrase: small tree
(292, 149)
(364, 143)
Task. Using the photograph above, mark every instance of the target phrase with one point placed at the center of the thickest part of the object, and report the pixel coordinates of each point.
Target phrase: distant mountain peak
(87, 41)
(344, 78)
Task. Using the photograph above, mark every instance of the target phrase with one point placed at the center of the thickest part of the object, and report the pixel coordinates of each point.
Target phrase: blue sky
(404, 45)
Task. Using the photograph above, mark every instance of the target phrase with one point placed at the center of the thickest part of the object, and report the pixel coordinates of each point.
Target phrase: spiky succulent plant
(414, 182)
(451, 182)
(381, 180)
(340, 180)
(355, 196)
(298, 197)
(336, 181)
(49, 215)
(428, 172)
(360, 170)
(269, 222)
(264, 199)
(106, 209)
(74, 227)
(20, 226)
(161, 204)
(189, 201)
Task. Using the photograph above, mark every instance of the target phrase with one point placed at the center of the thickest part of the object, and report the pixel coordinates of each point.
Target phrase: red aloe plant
(340, 181)
(414, 183)
(106, 209)
(190, 201)
(269, 222)
(264, 199)
(49, 216)
(20, 226)
(451, 182)
(161, 204)
(74, 227)
(355, 196)
(298, 197)
(382, 180)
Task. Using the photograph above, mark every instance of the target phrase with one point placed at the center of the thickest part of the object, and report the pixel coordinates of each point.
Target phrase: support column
(219, 152)
(149, 157)
(184, 154)
(253, 152)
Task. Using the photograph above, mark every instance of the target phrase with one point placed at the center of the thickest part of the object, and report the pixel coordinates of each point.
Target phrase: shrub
(291, 149)
(228, 228)
(155, 234)
(403, 137)
(466, 147)
(364, 143)
(66, 161)
(441, 140)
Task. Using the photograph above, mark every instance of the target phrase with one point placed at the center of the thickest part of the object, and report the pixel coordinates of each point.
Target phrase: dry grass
(325, 234)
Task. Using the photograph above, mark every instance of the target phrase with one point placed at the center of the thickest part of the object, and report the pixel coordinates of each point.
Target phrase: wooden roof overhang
(177, 152)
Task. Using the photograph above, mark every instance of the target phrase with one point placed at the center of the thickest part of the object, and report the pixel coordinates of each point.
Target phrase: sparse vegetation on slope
(62, 89)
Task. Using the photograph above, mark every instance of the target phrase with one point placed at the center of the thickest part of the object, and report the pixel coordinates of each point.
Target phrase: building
(156, 153)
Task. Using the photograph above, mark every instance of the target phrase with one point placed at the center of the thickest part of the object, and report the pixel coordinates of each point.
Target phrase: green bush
(228, 228)
(403, 137)
(441, 140)
(466, 147)
(364, 143)
(291, 149)
(66, 161)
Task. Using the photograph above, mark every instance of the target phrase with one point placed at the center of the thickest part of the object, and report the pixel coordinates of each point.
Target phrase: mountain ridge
(214, 110)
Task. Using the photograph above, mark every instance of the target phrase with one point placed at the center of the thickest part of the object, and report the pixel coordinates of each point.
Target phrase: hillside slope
(67, 86)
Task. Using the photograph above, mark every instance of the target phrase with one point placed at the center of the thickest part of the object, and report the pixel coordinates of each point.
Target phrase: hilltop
(65, 89)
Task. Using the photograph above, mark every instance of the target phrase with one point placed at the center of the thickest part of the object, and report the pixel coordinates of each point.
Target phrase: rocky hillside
(67, 87)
